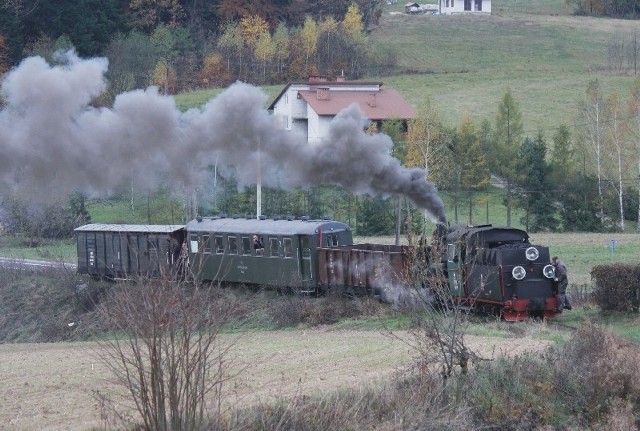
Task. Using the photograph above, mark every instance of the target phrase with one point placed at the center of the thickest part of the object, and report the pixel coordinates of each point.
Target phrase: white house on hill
(450, 7)
(309, 107)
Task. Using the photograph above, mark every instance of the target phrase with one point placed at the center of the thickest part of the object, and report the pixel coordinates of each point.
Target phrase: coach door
(116, 259)
(154, 262)
(453, 269)
(306, 270)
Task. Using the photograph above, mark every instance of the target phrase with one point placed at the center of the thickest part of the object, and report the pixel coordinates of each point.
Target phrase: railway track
(33, 265)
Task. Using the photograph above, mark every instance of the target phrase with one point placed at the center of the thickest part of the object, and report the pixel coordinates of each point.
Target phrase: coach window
(246, 245)
(304, 244)
(332, 240)
(193, 243)
(452, 255)
(233, 244)
(288, 248)
(273, 247)
(206, 244)
(219, 245)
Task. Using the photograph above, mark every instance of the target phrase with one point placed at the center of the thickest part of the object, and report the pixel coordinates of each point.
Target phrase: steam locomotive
(494, 268)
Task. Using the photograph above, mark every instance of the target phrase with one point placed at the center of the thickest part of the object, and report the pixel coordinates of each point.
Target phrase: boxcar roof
(138, 228)
(265, 227)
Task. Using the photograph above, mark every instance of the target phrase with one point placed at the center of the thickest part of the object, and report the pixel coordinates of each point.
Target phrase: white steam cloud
(54, 142)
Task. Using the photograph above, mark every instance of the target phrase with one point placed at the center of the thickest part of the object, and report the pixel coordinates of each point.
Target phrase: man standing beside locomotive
(561, 285)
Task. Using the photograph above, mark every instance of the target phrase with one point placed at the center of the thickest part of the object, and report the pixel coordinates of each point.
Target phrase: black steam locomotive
(495, 268)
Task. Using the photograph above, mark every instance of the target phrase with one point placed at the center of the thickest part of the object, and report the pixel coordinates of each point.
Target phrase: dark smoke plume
(53, 141)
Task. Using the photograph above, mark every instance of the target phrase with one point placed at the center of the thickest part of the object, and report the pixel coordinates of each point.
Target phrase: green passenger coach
(266, 252)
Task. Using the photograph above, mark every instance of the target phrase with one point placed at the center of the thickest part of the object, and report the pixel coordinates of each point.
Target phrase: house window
(467, 5)
(479, 5)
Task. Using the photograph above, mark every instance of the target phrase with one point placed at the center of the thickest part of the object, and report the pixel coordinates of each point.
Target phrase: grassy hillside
(543, 54)
(536, 48)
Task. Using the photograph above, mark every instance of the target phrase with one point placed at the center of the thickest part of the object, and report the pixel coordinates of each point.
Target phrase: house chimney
(372, 100)
(322, 93)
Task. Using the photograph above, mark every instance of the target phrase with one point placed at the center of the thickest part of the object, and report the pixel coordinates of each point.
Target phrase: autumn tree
(328, 35)
(617, 151)
(471, 163)
(281, 42)
(148, 14)
(309, 41)
(594, 118)
(354, 30)
(231, 44)
(164, 76)
(428, 144)
(251, 28)
(265, 51)
(396, 131)
(213, 72)
(131, 61)
(507, 137)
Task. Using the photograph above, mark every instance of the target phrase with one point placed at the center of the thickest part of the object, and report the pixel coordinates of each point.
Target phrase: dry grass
(49, 386)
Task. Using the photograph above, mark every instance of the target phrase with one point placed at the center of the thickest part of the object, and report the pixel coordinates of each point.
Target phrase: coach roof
(137, 228)
(266, 226)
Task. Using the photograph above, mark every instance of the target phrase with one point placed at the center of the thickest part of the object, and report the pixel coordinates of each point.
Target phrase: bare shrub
(622, 416)
(514, 393)
(596, 367)
(617, 287)
(168, 355)
(440, 324)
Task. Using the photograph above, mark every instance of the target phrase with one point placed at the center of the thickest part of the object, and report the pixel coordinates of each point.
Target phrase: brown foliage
(214, 72)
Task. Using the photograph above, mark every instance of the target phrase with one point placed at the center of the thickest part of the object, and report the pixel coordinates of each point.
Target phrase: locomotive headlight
(518, 272)
(549, 271)
(532, 253)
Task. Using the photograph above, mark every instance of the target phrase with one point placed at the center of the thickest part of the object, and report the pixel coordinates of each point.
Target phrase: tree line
(586, 179)
(611, 8)
(183, 45)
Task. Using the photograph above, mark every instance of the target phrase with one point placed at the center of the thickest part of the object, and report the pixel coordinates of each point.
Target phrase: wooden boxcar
(126, 250)
(222, 249)
(364, 268)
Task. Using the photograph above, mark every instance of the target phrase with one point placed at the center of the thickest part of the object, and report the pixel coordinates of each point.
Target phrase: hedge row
(617, 286)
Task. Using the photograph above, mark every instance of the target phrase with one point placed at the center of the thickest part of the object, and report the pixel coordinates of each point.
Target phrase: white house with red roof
(309, 107)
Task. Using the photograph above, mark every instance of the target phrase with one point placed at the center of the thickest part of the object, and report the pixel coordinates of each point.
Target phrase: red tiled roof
(379, 105)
